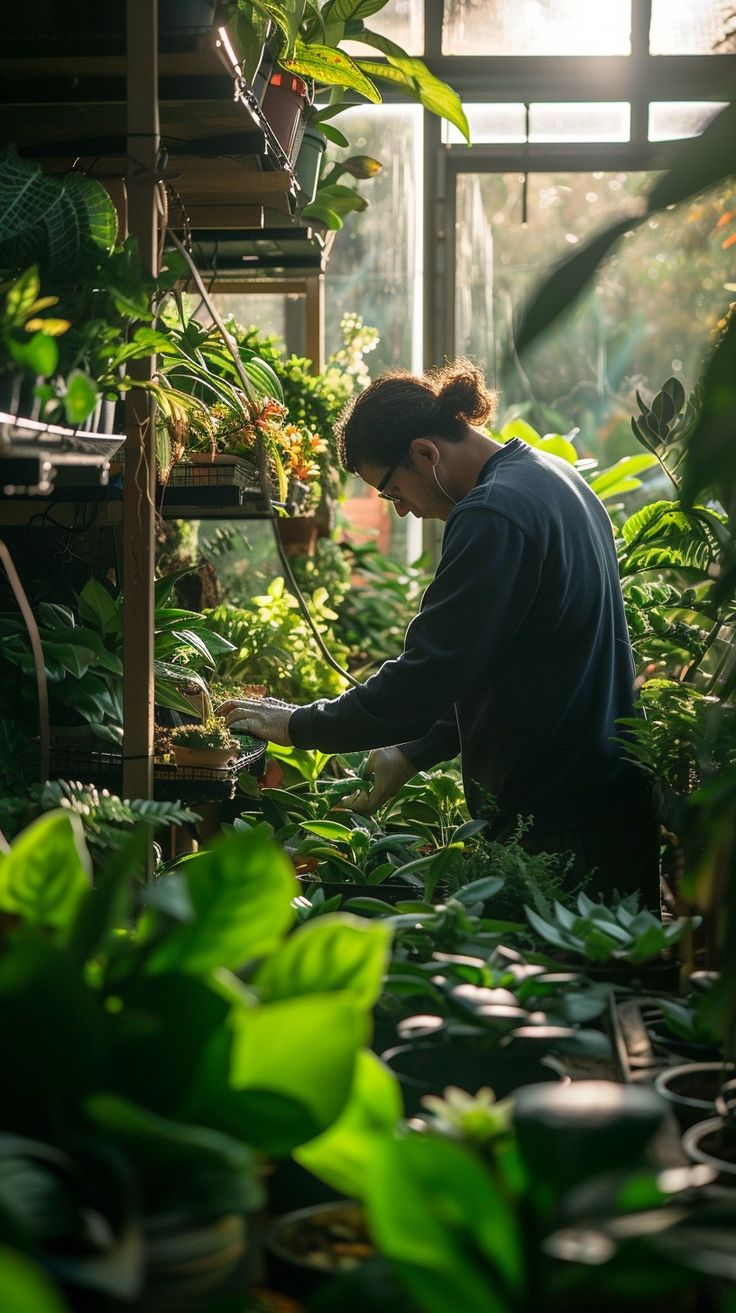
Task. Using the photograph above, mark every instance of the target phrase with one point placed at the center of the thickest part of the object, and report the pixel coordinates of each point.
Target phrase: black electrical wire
(247, 388)
(35, 640)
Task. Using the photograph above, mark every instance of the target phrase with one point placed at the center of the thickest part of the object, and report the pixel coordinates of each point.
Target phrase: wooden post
(316, 322)
(140, 463)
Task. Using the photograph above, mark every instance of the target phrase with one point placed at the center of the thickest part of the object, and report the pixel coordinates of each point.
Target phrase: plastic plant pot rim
(691, 1141)
(664, 1080)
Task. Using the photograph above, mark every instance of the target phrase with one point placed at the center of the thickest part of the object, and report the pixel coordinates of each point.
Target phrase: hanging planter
(284, 103)
(309, 162)
(298, 534)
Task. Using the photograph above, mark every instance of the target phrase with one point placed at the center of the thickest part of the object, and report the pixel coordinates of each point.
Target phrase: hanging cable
(232, 347)
(35, 640)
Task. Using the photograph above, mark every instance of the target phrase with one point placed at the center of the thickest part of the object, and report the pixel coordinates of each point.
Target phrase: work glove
(390, 769)
(263, 717)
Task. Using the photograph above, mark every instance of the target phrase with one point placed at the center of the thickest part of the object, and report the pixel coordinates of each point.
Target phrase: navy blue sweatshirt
(519, 657)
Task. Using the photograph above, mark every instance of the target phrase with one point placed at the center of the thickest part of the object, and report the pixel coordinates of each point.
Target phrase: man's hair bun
(462, 392)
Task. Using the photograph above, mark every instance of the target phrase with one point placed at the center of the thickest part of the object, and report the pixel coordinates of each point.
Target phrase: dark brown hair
(377, 426)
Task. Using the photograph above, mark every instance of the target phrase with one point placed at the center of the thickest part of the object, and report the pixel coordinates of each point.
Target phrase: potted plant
(619, 941)
(207, 744)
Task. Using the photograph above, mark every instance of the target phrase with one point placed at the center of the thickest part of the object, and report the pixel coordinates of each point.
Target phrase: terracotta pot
(209, 757)
(298, 534)
(283, 104)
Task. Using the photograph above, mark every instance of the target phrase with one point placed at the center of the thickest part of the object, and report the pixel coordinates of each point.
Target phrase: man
(519, 658)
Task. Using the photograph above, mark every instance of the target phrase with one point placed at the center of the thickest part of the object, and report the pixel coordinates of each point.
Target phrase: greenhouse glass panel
(692, 27)
(376, 262)
(489, 123)
(670, 120)
(592, 121)
(269, 312)
(402, 21)
(536, 27)
(647, 316)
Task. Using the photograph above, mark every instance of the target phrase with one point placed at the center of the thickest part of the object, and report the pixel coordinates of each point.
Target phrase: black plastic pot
(308, 162)
(590, 1128)
(292, 1265)
(663, 1041)
(713, 1142)
(427, 1068)
(691, 1089)
(654, 977)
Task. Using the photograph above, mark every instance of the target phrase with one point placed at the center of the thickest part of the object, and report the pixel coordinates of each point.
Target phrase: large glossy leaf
(435, 95)
(299, 1049)
(343, 10)
(566, 282)
(26, 195)
(337, 954)
(47, 872)
(442, 1220)
(342, 1155)
(333, 67)
(607, 482)
(240, 890)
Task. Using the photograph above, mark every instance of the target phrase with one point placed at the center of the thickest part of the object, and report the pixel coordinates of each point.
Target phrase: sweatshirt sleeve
(441, 743)
(485, 585)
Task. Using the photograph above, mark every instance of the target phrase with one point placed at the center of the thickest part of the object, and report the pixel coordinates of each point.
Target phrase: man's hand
(261, 717)
(390, 769)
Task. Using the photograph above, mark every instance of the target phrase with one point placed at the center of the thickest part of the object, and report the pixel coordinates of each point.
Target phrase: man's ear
(424, 452)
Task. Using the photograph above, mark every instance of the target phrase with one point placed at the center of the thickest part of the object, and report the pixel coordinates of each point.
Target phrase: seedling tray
(171, 782)
(220, 483)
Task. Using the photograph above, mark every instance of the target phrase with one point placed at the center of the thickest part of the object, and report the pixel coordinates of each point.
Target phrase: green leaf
(80, 397)
(97, 606)
(443, 1221)
(344, 10)
(334, 135)
(23, 1287)
(435, 95)
(556, 445)
(342, 1155)
(39, 355)
(336, 954)
(518, 428)
(241, 890)
(334, 67)
(564, 285)
(26, 195)
(46, 874)
(605, 483)
(21, 296)
(330, 830)
(303, 1049)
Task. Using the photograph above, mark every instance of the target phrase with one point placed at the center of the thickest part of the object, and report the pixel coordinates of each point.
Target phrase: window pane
(497, 123)
(669, 120)
(269, 312)
(596, 121)
(536, 27)
(375, 264)
(649, 314)
(376, 270)
(692, 27)
(402, 21)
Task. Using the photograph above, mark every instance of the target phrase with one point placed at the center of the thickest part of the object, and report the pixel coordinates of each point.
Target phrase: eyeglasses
(388, 496)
